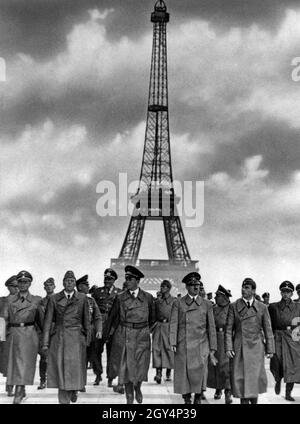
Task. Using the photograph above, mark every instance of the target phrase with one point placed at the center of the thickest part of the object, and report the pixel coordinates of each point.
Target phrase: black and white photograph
(150, 204)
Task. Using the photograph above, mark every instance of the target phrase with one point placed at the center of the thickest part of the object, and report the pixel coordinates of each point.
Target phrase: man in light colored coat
(248, 321)
(192, 339)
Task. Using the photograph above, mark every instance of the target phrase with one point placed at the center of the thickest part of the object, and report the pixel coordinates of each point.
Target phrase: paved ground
(153, 393)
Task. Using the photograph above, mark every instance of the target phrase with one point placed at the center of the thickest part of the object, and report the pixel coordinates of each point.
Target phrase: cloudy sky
(73, 113)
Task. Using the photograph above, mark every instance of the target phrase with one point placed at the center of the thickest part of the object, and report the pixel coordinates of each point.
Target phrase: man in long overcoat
(132, 314)
(69, 310)
(219, 375)
(285, 315)
(22, 337)
(49, 287)
(162, 356)
(104, 297)
(247, 322)
(193, 339)
(95, 331)
(12, 286)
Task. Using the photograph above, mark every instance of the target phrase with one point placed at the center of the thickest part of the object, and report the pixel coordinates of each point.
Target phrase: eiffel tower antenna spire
(155, 189)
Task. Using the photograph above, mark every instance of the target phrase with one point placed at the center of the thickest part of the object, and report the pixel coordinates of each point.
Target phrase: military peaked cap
(166, 283)
(109, 272)
(83, 280)
(24, 276)
(192, 278)
(287, 285)
(49, 280)
(69, 274)
(12, 281)
(222, 290)
(132, 270)
(250, 282)
(297, 287)
(266, 294)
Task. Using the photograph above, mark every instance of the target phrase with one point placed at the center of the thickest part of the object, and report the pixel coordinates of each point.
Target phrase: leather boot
(109, 382)
(74, 396)
(288, 392)
(138, 393)
(119, 388)
(24, 393)
(197, 399)
(18, 395)
(253, 401)
(98, 379)
(129, 392)
(228, 398)
(157, 378)
(218, 394)
(168, 374)
(244, 401)
(187, 398)
(278, 387)
(10, 390)
(203, 397)
(42, 385)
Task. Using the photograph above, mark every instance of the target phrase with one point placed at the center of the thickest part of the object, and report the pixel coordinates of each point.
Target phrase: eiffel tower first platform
(155, 198)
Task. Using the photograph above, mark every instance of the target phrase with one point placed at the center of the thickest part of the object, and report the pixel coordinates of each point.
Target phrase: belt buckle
(22, 324)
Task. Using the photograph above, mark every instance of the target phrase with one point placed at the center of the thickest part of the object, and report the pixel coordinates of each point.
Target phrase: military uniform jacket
(286, 361)
(132, 319)
(193, 332)
(95, 320)
(105, 300)
(67, 345)
(162, 356)
(246, 330)
(219, 375)
(23, 341)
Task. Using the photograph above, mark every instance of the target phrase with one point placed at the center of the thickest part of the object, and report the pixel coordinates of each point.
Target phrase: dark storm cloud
(39, 27)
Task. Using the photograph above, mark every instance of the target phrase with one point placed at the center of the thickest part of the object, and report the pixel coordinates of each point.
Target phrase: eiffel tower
(155, 198)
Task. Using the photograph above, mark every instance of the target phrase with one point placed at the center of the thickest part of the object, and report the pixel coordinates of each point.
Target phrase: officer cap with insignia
(109, 272)
(297, 287)
(49, 281)
(287, 285)
(82, 280)
(266, 294)
(132, 271)
(193, 278)
(223, 291)
(24, 276)
(166, 283)
(69, 274)
(249, 282)
(12, 281)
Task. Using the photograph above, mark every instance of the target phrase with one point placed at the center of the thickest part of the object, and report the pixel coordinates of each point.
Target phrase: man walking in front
(133, 314)
(285, 315)
(248, 320)
(192, 339)
(69, 310)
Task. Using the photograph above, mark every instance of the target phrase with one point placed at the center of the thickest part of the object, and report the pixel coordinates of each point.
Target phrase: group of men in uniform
(220, 345)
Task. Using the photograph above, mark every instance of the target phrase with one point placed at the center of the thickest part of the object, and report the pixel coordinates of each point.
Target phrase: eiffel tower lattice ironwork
(155, 198)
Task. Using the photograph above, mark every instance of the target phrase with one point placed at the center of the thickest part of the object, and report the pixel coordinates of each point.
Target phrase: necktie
(69, 296)
(133, 295)
(248, 304)
(22, 299)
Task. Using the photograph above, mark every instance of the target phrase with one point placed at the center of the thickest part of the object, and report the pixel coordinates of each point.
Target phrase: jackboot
(129, 392)
(197, 399)
(97, 380)
(228, 398)
(168, 374)
(109, 382)
(158, 376)
(244, 401)
(119, 388)
(42, 385)
(288, 392)
(18, 395)
(187, 398)
(277, 387)
(138, 393)
(10, 390)
(253, 401)
(218, 394)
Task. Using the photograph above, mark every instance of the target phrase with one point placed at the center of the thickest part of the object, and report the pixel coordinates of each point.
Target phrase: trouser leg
(108, 353)
(97, 358)
(64, 396)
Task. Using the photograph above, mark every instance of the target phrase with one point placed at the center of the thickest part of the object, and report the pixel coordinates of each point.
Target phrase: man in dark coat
(298, 293)
(286, 361)
(162, 356)
(12, 286)
(69, 310)
(104, 297)
(95, 331)
(248, 321)
(22, 338)
(132, 315)
(219, 375)
(49, 287)
(192, 339)
(266, 298)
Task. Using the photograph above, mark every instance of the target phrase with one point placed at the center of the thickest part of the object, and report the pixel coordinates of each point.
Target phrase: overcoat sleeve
(174, 323)
(229, 329)
(49, 315)
(212, 335)
(86, 324)
(266, 322)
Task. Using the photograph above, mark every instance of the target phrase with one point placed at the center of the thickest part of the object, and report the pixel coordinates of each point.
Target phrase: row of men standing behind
(189, 328)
